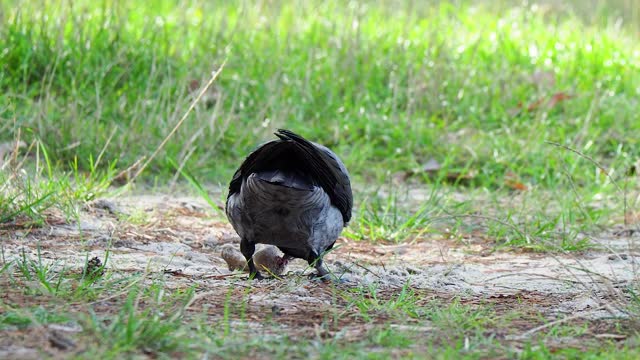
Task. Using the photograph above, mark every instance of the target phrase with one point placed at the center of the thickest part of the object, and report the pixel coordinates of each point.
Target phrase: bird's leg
(247, 248)
(322, 270)
(316, 261)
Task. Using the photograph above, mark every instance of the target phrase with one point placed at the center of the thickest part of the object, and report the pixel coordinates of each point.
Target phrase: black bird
(291, 193)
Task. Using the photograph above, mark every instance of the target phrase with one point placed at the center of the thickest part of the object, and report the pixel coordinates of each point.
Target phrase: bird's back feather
(292, 161)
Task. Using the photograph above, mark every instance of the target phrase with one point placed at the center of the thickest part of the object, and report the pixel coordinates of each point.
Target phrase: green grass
(30, 188)
(22, 318)
(149, 316)
(397, 93)
(387, 86)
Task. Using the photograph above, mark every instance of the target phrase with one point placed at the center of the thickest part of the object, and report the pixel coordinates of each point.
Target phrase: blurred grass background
(388, 85)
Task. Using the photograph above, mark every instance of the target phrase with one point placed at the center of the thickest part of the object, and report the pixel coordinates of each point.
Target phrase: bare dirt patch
(179, 239)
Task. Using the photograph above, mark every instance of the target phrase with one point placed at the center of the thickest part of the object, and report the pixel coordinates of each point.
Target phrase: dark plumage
(291, 193)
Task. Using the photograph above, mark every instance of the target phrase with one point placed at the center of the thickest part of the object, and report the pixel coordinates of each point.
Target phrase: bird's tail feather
(285, 178)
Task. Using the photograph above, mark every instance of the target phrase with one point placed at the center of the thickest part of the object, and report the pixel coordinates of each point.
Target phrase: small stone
(103, 204)
(123, 243)
(614, 257)
(268, 258)
(210, 241)
(60, 341)
(271, 260)
(233, 257)
(229, 237)
(19, 352)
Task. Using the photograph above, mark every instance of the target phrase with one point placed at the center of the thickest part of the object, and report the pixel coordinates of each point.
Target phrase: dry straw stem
(530, 332)
(184, 117)
(620, 305)
(613, 181)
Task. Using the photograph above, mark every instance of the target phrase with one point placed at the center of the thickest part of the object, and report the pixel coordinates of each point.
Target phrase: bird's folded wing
(326, 169)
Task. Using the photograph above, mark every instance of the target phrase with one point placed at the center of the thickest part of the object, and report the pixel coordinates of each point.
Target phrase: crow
(291, 193)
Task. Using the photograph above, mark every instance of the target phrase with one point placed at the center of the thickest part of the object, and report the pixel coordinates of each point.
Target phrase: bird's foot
(256, 276)
(326, 278)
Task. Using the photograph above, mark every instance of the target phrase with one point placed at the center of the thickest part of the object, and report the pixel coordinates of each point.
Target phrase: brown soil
(180, 239)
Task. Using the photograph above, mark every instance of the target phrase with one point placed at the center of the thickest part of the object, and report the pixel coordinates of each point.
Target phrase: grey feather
(293, 194)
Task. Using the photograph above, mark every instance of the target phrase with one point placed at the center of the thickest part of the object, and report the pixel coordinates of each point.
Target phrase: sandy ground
(179, 237)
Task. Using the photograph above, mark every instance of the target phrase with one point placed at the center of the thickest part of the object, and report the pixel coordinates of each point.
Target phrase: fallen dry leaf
(558, 97)
(515, 185)
(536, 104)
(512, 181)
(545, 102)
(552, 102)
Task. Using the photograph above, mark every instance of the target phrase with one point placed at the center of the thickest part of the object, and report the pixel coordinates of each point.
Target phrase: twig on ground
(531, 275)
(530, 332)
(366, 269)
